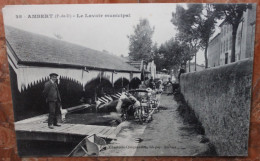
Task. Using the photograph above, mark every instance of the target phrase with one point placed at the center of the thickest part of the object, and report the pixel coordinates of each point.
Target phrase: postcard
(164, 79)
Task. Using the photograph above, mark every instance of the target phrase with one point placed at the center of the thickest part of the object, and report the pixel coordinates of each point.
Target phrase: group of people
(53, 99)
(159, 85)
(127, 98)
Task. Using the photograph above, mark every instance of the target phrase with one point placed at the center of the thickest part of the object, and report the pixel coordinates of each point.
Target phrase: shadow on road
(194, 125)
(174, 131)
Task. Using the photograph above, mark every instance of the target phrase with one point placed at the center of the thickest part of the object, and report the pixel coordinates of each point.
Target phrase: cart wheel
(138, 115)
(141, 116)
(125, 115)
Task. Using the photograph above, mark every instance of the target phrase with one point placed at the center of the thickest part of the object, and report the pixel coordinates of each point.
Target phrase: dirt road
(166, 135)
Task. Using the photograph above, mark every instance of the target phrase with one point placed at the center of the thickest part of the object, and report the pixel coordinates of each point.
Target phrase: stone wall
(221, 99)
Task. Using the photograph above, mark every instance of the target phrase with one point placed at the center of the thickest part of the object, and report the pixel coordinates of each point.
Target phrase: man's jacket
(51, 92)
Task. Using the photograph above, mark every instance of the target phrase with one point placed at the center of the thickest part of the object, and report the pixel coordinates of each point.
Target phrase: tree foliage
(140, 47)
(172, 54)
(186, 20)
(196, 25)
(206, 28)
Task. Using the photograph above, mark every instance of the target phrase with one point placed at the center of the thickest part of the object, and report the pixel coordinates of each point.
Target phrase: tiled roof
(32, 48)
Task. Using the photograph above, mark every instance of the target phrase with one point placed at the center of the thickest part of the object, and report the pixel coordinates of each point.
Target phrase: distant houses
(148, 69)
(219, 50)
(214, 51)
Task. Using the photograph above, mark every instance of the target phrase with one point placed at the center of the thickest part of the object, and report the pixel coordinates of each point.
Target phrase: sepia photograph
(164, 79)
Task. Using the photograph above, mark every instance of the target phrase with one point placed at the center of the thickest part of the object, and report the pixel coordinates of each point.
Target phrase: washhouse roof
(34, 49)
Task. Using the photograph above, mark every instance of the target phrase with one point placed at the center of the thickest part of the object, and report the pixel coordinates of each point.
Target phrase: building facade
(148, 68)
(214, 51)
(151, 67)
(225, 43)
(246, 35)
(219, 50)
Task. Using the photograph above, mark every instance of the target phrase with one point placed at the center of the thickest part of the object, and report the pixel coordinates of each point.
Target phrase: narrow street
(166, 135)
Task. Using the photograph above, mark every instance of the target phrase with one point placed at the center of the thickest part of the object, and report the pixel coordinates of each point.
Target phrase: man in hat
(53, 100)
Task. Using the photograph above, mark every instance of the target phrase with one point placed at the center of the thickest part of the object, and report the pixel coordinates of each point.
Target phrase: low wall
(221, 99)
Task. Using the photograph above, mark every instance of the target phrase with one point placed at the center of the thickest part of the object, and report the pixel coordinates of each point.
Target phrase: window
(230, 42)
(221, 46)
(227, 29)
(227, 45)
(224, 46)
(226, 58)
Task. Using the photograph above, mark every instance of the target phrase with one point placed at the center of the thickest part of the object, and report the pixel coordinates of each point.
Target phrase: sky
(87, 25)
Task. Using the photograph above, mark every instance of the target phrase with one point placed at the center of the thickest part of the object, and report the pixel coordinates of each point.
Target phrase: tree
(173, 54)
(192, 42)
(232, 14)
(206, 28)
(186, 22)
(140, 47)
(196, 25)
(157, 57)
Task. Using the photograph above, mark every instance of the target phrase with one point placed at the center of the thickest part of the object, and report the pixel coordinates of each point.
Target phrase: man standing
(169, 87)
(53, 100)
